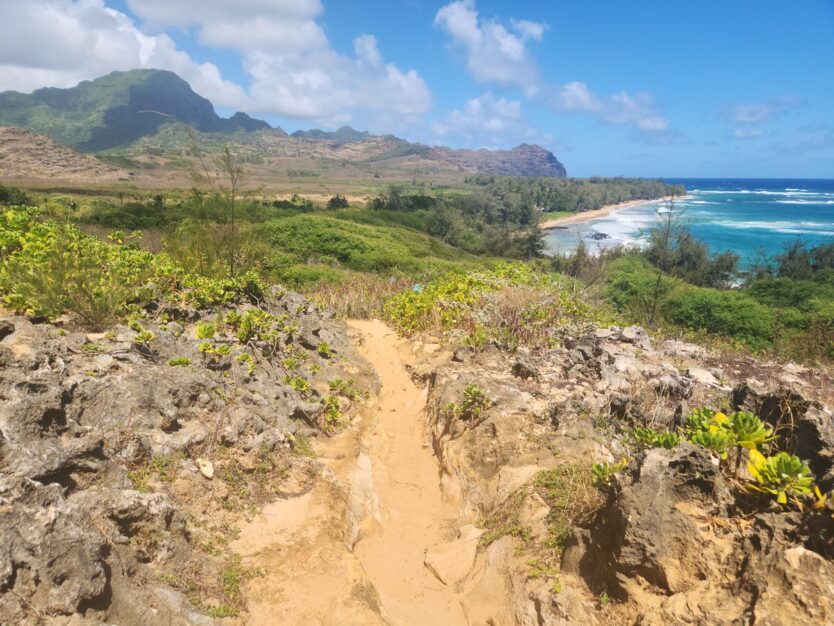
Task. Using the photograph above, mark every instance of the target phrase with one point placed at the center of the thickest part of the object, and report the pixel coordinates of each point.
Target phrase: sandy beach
(584, 216)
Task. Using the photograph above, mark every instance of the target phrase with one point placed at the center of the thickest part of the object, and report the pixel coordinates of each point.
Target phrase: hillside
(24, 154)
(120, 114)
(176, 448)
(115, 110)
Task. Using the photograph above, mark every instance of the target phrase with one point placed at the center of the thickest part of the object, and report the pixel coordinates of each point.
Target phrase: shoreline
(586, 216)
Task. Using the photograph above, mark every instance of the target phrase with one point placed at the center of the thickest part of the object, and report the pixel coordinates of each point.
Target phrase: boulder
(451, 562)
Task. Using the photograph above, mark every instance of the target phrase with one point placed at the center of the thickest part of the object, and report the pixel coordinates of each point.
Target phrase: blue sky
(640, 87)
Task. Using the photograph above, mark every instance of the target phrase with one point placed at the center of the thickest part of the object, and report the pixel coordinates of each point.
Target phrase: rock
(637, 336)
(451, 562)
(206, 468)
(82, 433)
(524, 368)
(533, 514)
(462, 355)
(673, 347)
(604, 333)
(6, 329)
(672, 387)
(702, 376)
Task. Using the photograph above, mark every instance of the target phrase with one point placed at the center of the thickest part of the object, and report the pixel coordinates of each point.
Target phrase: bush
(728, 313)
(12, 196)
(509, 306)
(48, 268)
(55, 268)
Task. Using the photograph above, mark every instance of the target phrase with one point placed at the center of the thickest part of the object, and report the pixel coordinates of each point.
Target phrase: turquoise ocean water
(749, 216)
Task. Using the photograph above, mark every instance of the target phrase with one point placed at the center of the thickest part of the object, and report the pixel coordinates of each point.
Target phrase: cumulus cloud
(747, 118)
(636, 110)
(292, 68)
(337, 89)
(485, 120)
(261, 25)
(495, 53)
(94, 40)
(500, 55)
(758, 112)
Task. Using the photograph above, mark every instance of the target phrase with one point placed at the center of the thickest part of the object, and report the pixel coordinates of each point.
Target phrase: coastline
(586, 216)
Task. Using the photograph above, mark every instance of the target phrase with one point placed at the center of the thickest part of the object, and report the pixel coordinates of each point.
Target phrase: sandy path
(351, 550)
(412, 513)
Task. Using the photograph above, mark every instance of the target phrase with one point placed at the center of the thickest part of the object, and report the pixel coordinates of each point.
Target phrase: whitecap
(804, 202)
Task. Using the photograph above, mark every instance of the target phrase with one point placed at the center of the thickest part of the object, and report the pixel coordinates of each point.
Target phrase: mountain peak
(116, 109)
(343, 134)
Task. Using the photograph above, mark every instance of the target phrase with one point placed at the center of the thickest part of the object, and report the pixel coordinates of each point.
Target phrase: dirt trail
(351, 551)
(412, 513)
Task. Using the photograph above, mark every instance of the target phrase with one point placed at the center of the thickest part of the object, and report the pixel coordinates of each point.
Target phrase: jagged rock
(636, 335)
(524, 368)
(672, 387)
(89, 423)
(701, 376)
(462, 355)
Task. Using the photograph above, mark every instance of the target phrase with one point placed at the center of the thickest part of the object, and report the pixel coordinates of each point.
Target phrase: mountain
(344, 134)
(116, 109)
(130, 113)
(24, 154)
(523, 160)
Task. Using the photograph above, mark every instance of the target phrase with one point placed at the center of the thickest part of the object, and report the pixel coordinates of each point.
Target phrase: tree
(337, 202)
(662, 234)
(796, 261)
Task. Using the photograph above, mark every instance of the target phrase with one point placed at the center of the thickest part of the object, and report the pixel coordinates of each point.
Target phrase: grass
(332, 244)
(569, 491)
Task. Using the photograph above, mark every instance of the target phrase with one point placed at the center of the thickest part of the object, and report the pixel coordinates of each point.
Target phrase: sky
(729, 88)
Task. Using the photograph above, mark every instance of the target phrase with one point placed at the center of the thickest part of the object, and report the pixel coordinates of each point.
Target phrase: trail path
(351, 551)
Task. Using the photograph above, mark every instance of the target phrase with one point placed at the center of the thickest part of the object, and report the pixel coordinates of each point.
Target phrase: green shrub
(603, 472)
(179, 361)
(49, 268)
(781, 475)
(728, 313)
(510, 305)
(205, 330)
(649, 438)
(474, 404)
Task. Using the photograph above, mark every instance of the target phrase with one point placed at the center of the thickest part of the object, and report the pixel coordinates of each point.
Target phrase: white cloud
(335, 89)
(292, 68)
(494, 52)
(638, 111)
(758, 112)
(485, 120)
(747, 133)
(61, 42)
(275, 25)
(748, 117)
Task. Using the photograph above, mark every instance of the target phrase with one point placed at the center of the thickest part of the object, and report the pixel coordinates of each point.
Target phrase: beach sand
(585, 216)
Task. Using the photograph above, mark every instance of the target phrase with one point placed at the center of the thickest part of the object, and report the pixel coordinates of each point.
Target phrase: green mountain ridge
(116, 110)
(344, 134)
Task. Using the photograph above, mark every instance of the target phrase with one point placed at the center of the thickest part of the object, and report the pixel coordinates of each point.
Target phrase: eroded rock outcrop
(124, 455)
(676, 538)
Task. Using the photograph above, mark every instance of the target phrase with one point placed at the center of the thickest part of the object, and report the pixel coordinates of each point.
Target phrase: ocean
(752, 217)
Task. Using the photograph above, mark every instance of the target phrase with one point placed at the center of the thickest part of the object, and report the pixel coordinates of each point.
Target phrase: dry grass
(360, 296)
